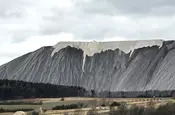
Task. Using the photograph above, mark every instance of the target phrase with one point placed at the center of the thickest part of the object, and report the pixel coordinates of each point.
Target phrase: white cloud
(26, 25)
(10, 50)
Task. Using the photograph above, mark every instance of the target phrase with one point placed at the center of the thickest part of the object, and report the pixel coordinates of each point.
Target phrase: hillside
(111, 66)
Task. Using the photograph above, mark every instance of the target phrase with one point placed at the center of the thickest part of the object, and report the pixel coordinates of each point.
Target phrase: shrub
(2, 110)
(121, 108)
(167, 109)
(62, 99)
(115, 104)
(103, 105)
(104, 100)
(71, 106)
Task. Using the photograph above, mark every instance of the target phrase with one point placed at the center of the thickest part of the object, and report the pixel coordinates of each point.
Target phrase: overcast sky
(26, 25)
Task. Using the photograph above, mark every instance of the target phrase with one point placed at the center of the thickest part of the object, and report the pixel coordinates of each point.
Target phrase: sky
(26, 25)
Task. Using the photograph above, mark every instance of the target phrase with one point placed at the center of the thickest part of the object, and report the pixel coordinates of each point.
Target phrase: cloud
(130, 7)
(85, 27)
(98, 19)
(10, 50)
(13, 8)
(27, 24)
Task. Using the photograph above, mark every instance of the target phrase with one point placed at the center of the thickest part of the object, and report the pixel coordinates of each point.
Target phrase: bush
(168, 109)
(2, 110)
(71, 106)
(103, 105)
(62, 107)
(115, 104)
(121, 109)
(62, 99)
(104, 102)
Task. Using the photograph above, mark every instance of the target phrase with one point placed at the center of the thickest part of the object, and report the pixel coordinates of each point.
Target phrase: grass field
(48, 103)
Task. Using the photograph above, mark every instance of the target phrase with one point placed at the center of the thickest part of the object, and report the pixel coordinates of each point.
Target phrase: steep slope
(114, 66)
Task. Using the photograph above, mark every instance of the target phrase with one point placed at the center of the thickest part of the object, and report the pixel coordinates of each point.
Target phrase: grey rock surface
(147, 68)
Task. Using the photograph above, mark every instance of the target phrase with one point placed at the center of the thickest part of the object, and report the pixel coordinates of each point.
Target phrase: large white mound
(90, 48)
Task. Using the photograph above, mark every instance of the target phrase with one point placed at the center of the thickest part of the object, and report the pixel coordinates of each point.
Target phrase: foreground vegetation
(2, 110)
(167, 109)
(71, 106)
(94, 106)
(151, 107)
(122, 109)
(20, 102)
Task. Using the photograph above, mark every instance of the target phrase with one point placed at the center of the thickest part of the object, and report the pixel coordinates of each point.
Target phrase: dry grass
(48, 103)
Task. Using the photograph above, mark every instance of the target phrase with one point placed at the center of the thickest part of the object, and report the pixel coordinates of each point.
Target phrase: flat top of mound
(92, 47)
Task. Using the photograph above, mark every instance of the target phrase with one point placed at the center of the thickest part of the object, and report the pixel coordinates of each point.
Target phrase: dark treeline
(11, 89)
(136, 94)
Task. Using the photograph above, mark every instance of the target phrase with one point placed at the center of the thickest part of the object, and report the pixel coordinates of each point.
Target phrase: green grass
(46, 105)
(20, 102)
(12, 107)
(2, 110)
